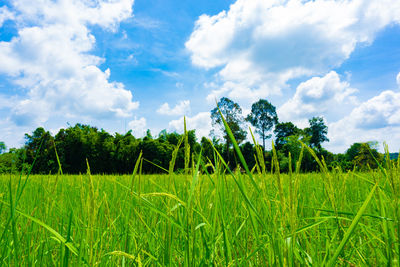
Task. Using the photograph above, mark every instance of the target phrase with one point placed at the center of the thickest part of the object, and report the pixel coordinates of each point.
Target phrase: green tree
(172, 138)
(81, 142)
(367, 156)
(159, 153)
(233, 116)
(248, 152)
(363, 155)
(148, 135)
(282, 131)
(126, 152)
(317, 132)
(352, 152)
(293, 144)
(263, 117)
(40, 146)
(13, 161)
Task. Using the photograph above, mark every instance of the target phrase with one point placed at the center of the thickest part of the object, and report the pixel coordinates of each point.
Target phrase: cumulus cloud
(180, 109)
(378, 112)
(201, 122)
(377, 119)
(327, 95)
(260, 45)
(50, 60)
(138, 126)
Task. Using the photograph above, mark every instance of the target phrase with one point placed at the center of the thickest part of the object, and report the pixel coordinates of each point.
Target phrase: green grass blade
(158, 166)
(195, 180)
(66, 255)
(56, 235)
(352, 227)
(13, 224)
(186, 148)
(58, 159)
(259, 153)
(174, 155)
(136, 169)
(146, 203)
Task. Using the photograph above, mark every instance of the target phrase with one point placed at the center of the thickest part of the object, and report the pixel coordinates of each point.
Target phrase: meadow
(199, 219)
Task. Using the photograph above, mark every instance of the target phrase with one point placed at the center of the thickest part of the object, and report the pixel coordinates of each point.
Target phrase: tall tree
(282, 131)
(367, 156)
(317, 131)
(263, 117)
(233, 116)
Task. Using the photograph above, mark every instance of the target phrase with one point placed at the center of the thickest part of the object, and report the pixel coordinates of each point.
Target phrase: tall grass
(199, 218)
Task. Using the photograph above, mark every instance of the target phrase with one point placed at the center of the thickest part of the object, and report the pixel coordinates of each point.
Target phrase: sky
(144, 64)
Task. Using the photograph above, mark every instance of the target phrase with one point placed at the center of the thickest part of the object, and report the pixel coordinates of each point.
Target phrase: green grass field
(293, 219)
(232, 218)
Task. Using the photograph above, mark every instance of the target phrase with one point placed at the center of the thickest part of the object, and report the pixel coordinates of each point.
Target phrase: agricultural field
(201, 218)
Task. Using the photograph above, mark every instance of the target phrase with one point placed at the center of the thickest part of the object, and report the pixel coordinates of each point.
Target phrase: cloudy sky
(135, 65)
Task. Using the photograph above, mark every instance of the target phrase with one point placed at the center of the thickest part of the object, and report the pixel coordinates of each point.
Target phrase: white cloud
(5, 14)
(201, 122)
(327, 95)
(377, 119)
(138, 127)
(180, 109)
(107, 14)
(378, 112)
(50, 59)
(260, 45)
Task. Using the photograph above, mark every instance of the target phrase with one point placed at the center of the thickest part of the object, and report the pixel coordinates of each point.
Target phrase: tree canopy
(317, 131)
(233, 116)
(364, 155)
(282, 131)
(263, 117)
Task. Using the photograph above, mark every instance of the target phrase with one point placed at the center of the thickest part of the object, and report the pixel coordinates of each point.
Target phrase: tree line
(75, 146)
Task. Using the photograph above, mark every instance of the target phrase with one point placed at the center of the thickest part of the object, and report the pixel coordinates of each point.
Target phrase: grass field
(292, 219)
(232, 218)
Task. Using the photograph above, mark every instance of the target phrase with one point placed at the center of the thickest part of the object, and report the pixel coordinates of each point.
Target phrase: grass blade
(352, 227)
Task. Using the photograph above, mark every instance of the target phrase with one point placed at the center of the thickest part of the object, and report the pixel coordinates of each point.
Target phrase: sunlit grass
(99, 220)
(252, 218)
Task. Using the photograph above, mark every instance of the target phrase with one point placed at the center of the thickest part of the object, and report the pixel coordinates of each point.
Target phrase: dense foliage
(116, 153)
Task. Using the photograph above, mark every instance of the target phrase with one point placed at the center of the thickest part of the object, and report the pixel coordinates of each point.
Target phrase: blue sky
(136, 65)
